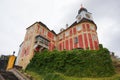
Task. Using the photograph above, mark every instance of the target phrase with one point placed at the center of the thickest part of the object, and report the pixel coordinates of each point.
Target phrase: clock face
(87, 15)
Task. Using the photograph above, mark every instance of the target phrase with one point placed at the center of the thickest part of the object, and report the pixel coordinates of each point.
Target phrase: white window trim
(79, 28)
(61, 36)
(66, 33)
(92, 28)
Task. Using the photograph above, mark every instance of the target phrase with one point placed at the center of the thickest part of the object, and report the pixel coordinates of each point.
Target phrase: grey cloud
(16, 16)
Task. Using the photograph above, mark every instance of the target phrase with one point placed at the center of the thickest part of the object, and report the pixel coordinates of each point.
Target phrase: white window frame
(54, 38)
(92, 28)
(79, 28)
(94, 37)
(61, 36)
(45, 32)
(66, 33)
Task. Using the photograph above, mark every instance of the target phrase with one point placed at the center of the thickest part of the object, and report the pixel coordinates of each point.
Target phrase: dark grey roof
(82, 9)
(75, 23)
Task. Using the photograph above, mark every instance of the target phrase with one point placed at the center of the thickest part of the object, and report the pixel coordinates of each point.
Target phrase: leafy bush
(79, 63)
(100, 46)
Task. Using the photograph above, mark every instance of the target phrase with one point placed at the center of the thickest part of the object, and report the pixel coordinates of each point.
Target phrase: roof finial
(81, 5)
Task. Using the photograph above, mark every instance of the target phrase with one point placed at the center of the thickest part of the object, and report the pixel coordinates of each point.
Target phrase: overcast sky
(17, 15)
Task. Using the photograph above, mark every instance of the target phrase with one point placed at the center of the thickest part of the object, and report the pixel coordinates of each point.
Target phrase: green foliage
(52, 76)
(79, 63)
(100, 46)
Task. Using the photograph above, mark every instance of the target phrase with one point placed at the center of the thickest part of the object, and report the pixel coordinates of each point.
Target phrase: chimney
(66, 26)
(62, 29)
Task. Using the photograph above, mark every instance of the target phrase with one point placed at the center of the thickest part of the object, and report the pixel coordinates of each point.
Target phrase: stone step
(6, 75)
(18, 74)
(1, 77)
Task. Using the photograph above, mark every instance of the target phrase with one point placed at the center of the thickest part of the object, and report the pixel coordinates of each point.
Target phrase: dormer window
(79, 17)
(87, 15)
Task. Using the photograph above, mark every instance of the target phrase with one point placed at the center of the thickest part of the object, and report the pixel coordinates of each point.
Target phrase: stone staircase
(12, 74)
(6, 75)
(18, 74)
(1, 77)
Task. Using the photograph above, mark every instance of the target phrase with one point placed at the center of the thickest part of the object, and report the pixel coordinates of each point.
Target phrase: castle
(81, 35)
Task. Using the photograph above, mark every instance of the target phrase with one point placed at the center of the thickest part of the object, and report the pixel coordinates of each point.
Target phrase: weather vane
(13, 52)
(81, 5)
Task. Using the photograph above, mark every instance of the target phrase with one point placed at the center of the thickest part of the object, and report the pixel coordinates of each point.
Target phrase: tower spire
(81, 6)
(83, 13)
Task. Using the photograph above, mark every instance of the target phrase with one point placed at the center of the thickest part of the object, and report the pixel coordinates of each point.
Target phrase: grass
(116, 63)
(39, 77)
(115, 77)
(34, 75)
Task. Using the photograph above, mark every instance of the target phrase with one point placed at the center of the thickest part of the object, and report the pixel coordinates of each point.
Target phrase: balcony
(41, 43)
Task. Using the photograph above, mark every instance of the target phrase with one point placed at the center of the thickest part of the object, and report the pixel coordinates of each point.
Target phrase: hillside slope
(62, 65)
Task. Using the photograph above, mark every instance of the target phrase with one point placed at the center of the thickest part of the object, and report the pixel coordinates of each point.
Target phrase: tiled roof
(42, 24)
(75, 23)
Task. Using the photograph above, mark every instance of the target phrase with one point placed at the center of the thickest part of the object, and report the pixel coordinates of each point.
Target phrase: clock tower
(88, 31)
(83, 13)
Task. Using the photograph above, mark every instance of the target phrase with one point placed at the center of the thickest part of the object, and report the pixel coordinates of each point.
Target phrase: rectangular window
(94, 37)
(79, 28)
(63, 35)
(66, 33)
(60, 37)
(41, 30)
(54, 38)
(75, 40)
(92, 28)
(46, 42)
(45, 33)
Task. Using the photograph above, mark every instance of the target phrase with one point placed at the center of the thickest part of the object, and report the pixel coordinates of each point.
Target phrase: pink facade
(80, 35)
(83, 38)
